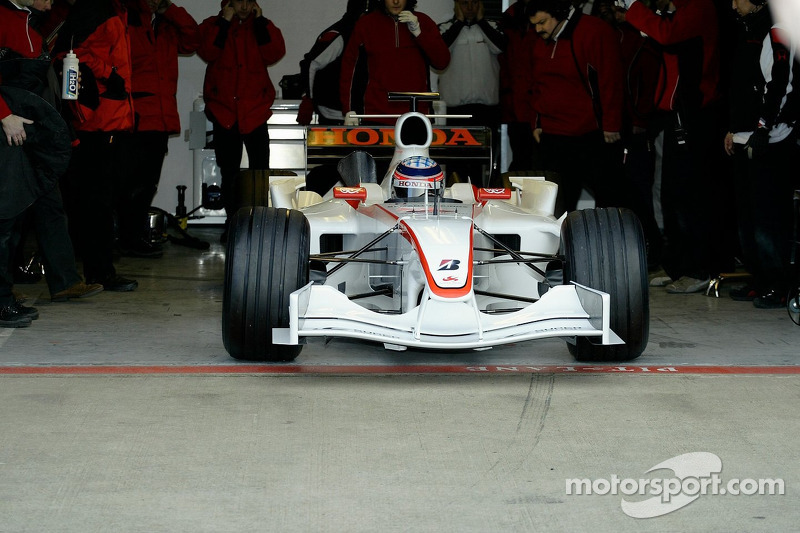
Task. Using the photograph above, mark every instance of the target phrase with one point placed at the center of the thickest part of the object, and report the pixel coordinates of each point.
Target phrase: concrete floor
(123, 413)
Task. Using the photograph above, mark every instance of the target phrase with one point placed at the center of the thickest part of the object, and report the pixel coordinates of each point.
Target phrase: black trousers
(97, 168)
(48, 218)
(692, 175)
(55, 246)
(585, 161)
(140, 183)
(524, 151)
(6, 253)
(228, 150)
(764, 212)
(639, 163)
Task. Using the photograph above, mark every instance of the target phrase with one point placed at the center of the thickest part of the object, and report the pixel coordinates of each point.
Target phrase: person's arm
(431, 43)
(186, 27)
(213, 35)
(606, 58)
(689, 20)
(349, 61)
(4, 109)
(495, 39)
(450, 31)
(327, 55)
(774, 91)
(270, 41)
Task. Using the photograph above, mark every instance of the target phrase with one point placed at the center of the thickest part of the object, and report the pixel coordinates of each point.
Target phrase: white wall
(300, 21)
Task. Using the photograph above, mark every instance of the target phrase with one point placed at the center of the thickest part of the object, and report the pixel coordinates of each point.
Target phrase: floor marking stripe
(289, 369)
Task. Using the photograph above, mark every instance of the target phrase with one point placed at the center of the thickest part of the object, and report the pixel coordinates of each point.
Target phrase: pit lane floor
(123, 412)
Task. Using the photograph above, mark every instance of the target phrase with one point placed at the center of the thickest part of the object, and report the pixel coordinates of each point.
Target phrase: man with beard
(577, 100)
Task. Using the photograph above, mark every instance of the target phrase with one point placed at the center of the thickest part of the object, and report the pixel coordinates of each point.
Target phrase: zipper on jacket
(28, 30)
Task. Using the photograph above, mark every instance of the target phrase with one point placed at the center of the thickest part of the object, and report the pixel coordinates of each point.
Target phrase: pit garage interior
(123, 412)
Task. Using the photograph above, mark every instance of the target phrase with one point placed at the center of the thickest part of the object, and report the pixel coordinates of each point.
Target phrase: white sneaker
(687, 285)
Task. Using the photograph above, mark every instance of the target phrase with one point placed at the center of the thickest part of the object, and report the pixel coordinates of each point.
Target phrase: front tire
(605, 250)
(267, 259)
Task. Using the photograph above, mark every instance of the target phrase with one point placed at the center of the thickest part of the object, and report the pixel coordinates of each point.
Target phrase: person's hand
(257, 12)
(14, 129)
(611, 137)
(306, 111)
(350, 119)
(757, 144)
(537, 135)
(728, 143)
(228, 12)
(411, 20)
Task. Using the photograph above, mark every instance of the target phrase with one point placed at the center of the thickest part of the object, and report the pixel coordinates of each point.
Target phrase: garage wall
(300, 21)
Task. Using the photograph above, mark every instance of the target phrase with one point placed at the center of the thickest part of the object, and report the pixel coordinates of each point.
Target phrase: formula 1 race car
(411, 263)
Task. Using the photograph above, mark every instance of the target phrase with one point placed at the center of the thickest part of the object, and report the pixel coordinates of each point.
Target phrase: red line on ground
(289, 369)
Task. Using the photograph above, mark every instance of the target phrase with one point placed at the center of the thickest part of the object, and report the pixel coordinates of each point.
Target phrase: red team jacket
(690, 37)
(396, 60)
(237, 87)
(154, 53)
(562, 94)
(17, 35)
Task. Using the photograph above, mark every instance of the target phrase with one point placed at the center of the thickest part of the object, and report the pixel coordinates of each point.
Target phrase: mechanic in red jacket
(239, 44)
(578, 101)
(687, 97)
(400, 45)
(103, 119)
(159, 30)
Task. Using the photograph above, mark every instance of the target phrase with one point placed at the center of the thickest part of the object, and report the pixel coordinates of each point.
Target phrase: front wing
(563, 311)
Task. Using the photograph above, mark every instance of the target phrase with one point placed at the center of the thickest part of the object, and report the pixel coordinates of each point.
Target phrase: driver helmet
(417, 175)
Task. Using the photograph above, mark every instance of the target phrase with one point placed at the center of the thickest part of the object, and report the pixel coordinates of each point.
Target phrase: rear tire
(605, 250)
(266, 260)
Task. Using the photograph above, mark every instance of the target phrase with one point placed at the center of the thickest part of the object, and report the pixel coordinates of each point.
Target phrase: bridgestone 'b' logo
(449, 264)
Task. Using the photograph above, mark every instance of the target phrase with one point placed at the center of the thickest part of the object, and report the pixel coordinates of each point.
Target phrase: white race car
(411, 263)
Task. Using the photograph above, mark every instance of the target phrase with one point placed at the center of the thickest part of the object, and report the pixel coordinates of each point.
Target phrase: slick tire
(266, 260)
(604, 249)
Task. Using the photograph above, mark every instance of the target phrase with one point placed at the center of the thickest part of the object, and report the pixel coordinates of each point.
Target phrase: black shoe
(30, 312)
(141, 248)
(744, 294)
(772, 299)
(10, 317)
(116, 284)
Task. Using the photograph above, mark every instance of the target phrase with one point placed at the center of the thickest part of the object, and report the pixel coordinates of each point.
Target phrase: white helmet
(416, 176)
